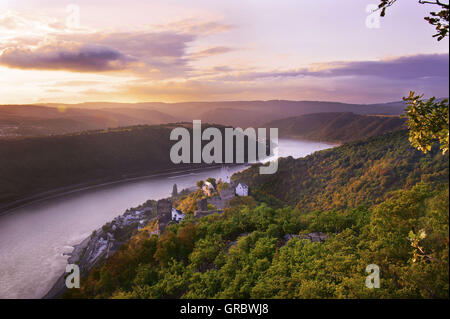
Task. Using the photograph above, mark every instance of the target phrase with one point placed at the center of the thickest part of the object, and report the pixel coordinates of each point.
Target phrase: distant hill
(247, 113)
(336, 127)
(53, 119)
(142, 116)
(235, 117)
(35, 120)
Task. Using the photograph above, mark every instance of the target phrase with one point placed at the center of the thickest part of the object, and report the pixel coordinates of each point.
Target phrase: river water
(33, 238)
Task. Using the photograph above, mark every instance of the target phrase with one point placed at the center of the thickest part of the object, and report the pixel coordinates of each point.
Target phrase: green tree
(438, 19)
(200, 184)
(428, 122)
(427, 119)
(212, 181)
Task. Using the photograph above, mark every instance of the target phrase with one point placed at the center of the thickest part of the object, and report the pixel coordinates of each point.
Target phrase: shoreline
(59, 286)
(66, 190)
(55, 193)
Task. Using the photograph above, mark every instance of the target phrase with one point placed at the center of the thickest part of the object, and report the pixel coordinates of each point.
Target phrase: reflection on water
(33, 238)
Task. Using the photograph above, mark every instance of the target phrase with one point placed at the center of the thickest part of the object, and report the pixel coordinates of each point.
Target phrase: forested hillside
(33, 166)
(378, 201)
(337, 127)
(349, 175)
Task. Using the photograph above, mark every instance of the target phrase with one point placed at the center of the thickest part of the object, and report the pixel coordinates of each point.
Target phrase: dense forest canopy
(358, 172)
(386, 204)
(428, 119)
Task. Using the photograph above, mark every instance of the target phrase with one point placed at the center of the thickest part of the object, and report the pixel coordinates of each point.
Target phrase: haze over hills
(35, 120)
(247, 112)
(47, 119)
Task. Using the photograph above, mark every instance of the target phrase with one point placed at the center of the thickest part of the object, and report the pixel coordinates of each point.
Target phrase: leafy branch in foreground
(439, 19)
(428, 122)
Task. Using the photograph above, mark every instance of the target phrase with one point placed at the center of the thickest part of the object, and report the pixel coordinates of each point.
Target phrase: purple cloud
(211, 51)
(406, 67)
(80, 59)
(143, 52)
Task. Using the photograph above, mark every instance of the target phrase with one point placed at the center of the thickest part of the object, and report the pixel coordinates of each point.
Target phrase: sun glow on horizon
(174, 52)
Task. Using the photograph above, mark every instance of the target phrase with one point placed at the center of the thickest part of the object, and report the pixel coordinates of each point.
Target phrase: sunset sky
(204, 50)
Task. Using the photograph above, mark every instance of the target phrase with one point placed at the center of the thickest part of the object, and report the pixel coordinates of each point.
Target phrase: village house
(242, 189)
(208, 188)
(177, 215)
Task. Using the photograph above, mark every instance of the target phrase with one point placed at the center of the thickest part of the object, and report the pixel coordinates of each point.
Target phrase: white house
(242, 189)
(208, 188)
(177, 215)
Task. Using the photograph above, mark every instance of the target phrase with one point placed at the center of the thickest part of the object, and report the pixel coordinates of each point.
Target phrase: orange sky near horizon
(57, 51)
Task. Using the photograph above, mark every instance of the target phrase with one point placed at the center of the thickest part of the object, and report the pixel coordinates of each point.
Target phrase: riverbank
(7, 208)
(59, 286)
(103, 243)
(37, 235)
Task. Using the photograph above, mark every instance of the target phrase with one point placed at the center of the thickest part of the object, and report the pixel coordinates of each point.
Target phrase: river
(34, 237)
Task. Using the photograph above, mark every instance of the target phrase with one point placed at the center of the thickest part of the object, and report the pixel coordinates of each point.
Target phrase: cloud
(156, 52)
(193, 26)
(89, 58)
(405, 67)
(142, 44)
(164, 62)
(358, 82)
(162, 54)
(75, 83)
(211, 51)
(12, 21)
